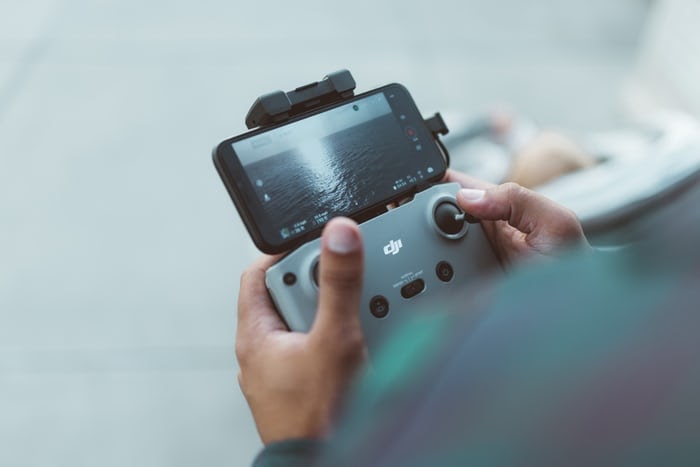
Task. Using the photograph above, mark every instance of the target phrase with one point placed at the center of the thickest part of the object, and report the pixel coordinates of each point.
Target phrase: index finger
(257, 315)
(466, 181)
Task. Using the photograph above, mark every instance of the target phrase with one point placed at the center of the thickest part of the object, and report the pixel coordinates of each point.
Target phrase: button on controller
(379, 306)
(413, 288)
(436, 235)
(290, 278)
(444, 271)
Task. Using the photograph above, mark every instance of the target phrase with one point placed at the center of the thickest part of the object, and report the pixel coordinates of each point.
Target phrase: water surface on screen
(330, 164)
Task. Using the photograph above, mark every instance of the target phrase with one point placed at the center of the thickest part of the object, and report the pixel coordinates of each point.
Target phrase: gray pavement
(119, 248)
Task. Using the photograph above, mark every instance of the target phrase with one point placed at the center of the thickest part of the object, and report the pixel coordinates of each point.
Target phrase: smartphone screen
(287, 181)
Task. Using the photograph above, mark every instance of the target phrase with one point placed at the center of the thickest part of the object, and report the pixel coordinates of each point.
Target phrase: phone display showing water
(332, 164)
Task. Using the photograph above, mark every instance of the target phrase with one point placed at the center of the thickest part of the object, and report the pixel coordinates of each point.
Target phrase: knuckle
(242, 353)
(567, 217)
(342, 277)
(353, 349)
(573, 217)
(245, 276)
(573, 223)
(252, 272)
(515, 200)
(241, 382)
(354, 341)
(513, 190)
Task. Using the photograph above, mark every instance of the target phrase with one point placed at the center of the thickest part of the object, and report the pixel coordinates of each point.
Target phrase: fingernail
(469, 194)
(341, 237)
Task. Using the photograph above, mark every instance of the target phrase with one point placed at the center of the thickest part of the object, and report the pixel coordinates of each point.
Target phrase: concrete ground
(120, 250)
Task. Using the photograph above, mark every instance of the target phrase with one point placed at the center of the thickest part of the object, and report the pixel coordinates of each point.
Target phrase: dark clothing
(291, 452)
(591, 360)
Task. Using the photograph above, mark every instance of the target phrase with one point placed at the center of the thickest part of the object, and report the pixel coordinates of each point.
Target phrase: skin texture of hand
(518, 222)
(294, 382)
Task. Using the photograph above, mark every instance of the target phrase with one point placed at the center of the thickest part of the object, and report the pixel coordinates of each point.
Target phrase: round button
(290, 278)
(445, 217)
(379, 306)
(444, 271)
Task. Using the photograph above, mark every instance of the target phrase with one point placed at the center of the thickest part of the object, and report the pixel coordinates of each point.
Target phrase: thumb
(523, 209)
(340, 281)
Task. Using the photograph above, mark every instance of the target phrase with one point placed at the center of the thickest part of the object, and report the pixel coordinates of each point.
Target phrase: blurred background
(120, 250)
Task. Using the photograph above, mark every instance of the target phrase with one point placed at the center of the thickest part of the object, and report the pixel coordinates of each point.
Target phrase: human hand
(518, 222)
(294, 382)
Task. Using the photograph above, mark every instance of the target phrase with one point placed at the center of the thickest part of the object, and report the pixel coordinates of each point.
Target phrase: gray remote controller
(415, 256)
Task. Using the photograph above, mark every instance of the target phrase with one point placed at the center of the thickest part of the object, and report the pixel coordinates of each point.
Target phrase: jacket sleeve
(289, 453)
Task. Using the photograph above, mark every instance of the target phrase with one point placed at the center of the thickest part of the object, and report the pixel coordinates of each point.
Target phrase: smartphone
(351, 159)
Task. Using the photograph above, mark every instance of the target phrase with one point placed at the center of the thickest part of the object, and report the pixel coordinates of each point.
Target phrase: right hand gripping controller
(416, 255)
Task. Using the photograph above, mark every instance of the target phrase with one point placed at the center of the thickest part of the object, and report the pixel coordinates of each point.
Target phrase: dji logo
(393, 247)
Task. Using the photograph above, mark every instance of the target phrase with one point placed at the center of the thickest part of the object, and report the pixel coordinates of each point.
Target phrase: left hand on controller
(294, 382)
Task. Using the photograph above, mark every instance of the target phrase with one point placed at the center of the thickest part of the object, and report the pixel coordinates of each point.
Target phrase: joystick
(417, 256)
(449, 218)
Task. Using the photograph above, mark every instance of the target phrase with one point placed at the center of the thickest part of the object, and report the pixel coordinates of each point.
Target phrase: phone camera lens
(355, 107)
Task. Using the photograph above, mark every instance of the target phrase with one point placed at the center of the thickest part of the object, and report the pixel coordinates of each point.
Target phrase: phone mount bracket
(279, 106)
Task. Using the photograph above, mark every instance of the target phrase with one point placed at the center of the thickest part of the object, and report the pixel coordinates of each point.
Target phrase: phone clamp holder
(279, 106)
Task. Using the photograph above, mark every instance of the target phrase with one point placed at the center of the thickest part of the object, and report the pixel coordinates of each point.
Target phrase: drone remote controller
(416, 255)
